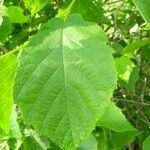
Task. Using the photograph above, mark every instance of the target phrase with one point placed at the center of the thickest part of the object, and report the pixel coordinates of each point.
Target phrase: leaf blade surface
(64, 79)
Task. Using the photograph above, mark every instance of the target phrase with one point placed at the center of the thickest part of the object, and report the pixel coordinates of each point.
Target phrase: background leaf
(124, 68)
(131, 49)
(114, 119)
(144, 8)
(16, 15)
(5, 29)
(89, 9)
(120, 139)
(35, 6)
(3, 12)
(121, 133)
(7, 70)
(134, 77)
(146, 143)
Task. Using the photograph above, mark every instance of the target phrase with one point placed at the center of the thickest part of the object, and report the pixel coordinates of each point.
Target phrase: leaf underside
(64, 80)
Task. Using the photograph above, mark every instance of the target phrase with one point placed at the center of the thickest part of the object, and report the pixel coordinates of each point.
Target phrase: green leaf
(37, 142)
(131, 49)
(120, 139)
(111, 140)
(2, 133)
(5, 25)
(29, 143)
(122, 132)
(5, 29)
(16, 15)
(35, 6)
(146, 143)
(90, 144)
(127, 72)
(89, 9)
(53, 146)
(114, 119)
(14, 126)
(134, 77)
(14, 144)
(65, 78)
(102, 138)
(7, 69)
(146, 52)
(144, 8)
(124, 68)
(3, 12)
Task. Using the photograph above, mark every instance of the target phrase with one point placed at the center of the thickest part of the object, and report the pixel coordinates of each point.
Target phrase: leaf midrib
(65, 84)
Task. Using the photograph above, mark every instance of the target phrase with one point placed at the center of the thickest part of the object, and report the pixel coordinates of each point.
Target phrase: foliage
(74, 74)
